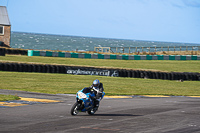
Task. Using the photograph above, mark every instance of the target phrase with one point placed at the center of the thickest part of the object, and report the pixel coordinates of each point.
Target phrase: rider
(97, 87)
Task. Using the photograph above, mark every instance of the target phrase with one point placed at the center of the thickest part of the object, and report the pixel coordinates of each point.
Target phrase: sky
(152, 20)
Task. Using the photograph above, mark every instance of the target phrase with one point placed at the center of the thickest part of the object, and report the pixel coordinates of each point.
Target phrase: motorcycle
(84, 102)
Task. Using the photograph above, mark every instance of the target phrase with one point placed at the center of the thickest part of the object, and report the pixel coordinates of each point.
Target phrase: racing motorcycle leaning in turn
(85, 102)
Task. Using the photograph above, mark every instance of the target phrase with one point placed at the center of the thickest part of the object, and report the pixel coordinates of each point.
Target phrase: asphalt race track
(131, 115)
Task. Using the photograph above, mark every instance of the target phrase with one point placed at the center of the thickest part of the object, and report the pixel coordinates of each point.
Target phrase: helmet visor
(95, 85)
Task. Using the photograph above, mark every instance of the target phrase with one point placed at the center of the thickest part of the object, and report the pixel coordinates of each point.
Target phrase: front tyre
(74, 110)
(92, 111)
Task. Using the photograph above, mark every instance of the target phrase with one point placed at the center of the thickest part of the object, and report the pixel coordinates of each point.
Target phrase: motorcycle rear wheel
(74, 110)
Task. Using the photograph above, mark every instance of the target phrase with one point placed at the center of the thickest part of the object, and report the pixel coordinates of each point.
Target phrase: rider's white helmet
(96, 83)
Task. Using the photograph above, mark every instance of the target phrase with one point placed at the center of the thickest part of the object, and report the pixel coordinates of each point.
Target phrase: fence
(112, 56)
(146, 49)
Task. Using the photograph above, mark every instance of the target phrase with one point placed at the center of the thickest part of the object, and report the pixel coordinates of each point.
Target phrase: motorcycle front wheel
(74, 110)
(92, 111)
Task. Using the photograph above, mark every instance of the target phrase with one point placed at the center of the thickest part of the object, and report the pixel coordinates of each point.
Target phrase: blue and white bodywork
(84, 103)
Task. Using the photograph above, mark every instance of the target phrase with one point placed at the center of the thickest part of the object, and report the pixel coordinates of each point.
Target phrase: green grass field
(70, 84)
(157, 65)
(8, 97)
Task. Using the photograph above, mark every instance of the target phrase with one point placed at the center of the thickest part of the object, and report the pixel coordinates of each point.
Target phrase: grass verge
(157, 65)
(70, 84)
(8, 97)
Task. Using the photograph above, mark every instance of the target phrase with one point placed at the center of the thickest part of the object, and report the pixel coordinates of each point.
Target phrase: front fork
(80, 105)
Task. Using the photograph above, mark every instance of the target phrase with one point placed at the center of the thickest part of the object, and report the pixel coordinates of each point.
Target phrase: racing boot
(96, 105)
